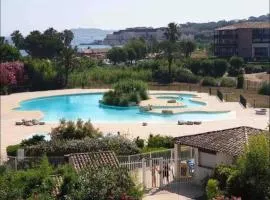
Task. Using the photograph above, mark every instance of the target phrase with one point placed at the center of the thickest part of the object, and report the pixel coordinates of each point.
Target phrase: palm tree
(169, 46)
(68, 61)
(17, 39)
(172, 32)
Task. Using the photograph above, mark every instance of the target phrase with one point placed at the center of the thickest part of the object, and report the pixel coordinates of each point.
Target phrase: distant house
(213, 148)
(98, 54)
(250, 40)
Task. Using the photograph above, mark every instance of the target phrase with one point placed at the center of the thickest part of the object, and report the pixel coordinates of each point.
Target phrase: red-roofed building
(99, 54)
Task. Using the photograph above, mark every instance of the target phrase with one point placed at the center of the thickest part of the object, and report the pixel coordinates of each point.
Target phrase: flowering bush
(11, 73)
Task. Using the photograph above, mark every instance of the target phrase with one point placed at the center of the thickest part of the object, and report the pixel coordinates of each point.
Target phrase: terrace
(12, 134)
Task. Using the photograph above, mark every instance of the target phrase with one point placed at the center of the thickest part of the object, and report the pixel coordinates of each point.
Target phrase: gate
(160, 172)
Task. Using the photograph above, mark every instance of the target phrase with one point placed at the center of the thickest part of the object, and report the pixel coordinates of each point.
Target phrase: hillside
(88, 35)
(203, 32)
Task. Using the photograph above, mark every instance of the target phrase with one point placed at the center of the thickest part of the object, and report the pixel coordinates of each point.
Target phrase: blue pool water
(86, 106)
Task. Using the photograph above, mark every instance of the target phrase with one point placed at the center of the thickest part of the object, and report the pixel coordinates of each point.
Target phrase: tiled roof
(229, 141)
(245, 25)
(93, 160)
(58, 180)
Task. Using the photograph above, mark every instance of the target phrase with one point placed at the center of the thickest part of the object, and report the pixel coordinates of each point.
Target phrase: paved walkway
(175, 191)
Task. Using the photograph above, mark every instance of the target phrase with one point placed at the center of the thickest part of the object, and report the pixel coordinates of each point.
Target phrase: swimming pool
(86, 106)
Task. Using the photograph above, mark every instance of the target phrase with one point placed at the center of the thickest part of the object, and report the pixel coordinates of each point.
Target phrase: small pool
(86, 106)
(184, 98)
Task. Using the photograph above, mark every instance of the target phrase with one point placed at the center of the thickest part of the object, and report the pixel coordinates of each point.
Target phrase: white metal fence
(165, 154)
(160, 172)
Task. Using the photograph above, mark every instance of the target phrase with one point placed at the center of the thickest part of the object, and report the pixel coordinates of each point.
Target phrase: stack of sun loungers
(144, 123)
(29, 122)
(262, 111)
(189, 122)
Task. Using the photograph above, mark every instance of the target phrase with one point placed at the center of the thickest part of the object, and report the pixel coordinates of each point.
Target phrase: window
(260, 52)
(261, 35)
(207, 158)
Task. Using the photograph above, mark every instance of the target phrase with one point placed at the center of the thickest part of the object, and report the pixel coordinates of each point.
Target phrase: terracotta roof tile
(93, 160)
(230, 141)
(245, 25)
(58, 180)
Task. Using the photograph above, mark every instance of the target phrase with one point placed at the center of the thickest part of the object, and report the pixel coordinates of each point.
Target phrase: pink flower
(11, 73)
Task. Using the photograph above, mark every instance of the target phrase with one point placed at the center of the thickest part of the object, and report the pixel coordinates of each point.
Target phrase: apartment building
(250, 40)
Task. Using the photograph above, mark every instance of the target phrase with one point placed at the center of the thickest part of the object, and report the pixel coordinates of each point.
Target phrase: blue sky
(28, 15)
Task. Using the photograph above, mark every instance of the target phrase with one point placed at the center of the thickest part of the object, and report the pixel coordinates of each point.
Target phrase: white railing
(158, 172)
(166, 154)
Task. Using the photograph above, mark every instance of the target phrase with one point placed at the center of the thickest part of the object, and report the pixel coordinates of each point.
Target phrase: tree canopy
(48, 44)
(187, 47)
(9, 53)
(117, 55)
(17, 39)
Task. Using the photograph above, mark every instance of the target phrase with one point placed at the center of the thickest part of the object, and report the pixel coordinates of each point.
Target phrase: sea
(93, 46)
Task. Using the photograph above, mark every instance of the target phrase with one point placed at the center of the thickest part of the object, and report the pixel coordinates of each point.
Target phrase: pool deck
(11, 134)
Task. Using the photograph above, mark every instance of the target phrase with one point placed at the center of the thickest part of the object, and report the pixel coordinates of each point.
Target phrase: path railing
(243, 100)
(220, 95)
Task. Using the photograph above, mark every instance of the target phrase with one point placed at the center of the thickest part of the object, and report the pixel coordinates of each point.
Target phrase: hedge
(12, 149)
(209, 81)
(186, 76)
(265, 89)
(228, 82)
(118, 144)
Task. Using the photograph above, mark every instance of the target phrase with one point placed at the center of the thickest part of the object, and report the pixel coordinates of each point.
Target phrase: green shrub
(236, 63)
(12, 149)
(42, 74)
(186, 76)
(194, 66)
(107, 75)
(233, 184)
(207, 67)
(249, 177)
(8, 53)
(228, 82)
(148, 64)
(209, 81)
(240, 81)
(139, 142)
(265, 89)
(118, 144)
(23, 184)
(212, 189)
(68, 130)
(220, 66)
(222, 173)
(4, 89)
(40, 183)
(162, 76)
(156, 141)
(103, 183)
(125, 92)
(33, 140)
(253, 69)
(266, 68)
